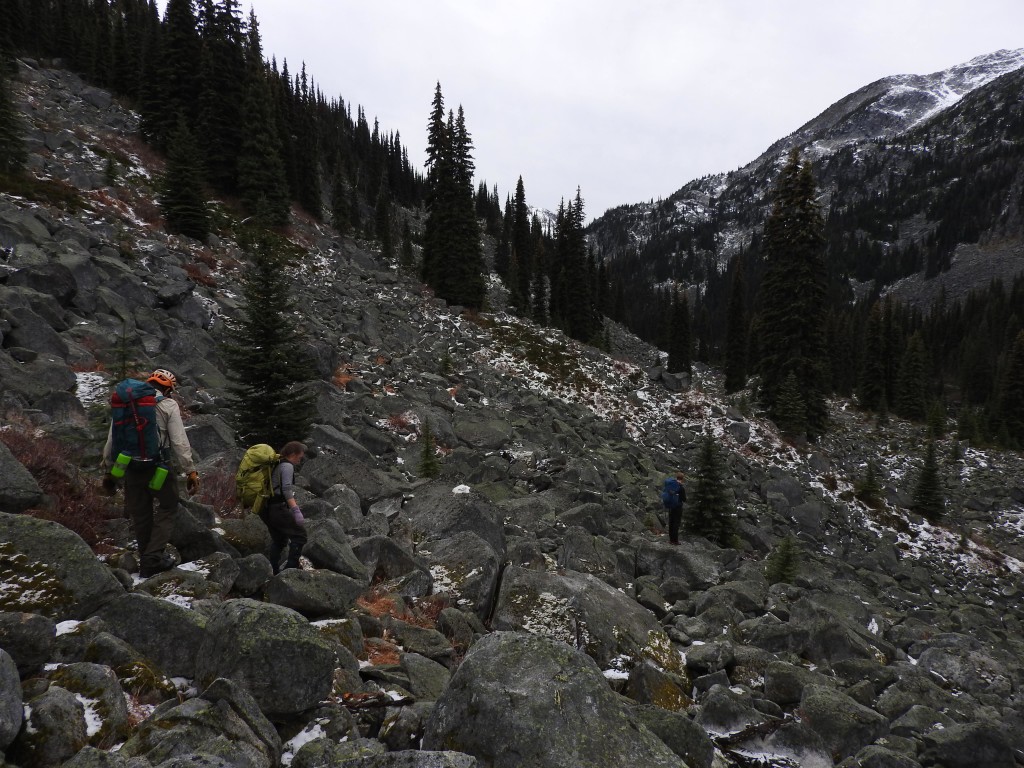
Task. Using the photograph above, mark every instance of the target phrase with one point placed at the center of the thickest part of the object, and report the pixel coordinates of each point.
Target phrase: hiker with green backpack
(148, 449)
(265, 482)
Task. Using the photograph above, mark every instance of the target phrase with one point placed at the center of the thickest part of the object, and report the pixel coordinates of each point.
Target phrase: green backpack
(252, 480)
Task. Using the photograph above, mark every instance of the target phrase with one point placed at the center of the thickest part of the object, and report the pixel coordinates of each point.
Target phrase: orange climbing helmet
(161, 377)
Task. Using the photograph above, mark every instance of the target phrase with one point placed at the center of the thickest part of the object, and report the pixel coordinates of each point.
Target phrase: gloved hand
(297, 516)
(192, 483)
(109, 485)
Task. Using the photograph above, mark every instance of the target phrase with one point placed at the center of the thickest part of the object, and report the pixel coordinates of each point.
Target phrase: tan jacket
(172, 434)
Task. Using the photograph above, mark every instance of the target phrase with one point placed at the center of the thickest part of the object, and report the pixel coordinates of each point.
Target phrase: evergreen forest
(802, 311)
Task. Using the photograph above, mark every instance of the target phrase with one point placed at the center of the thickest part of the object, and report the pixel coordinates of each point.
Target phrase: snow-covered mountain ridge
(849, 145)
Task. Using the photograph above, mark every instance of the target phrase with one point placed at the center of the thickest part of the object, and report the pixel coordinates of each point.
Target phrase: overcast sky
(627, 99)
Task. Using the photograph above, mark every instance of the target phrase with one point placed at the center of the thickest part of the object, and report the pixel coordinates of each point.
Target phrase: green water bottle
(157, 481)
(120, 465)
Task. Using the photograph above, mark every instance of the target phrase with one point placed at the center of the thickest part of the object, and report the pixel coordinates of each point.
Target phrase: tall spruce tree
(911, 381)
(181, 188)
(736, 332)
(222, 90)
(708, 512)
(452, 257)
(268, 365)
(261, 177)
(173, 90)
(1011, 396)
(12, 147)
(871, 391)
(522, 249)
(679, 344)
(929, 501)
(793, 298)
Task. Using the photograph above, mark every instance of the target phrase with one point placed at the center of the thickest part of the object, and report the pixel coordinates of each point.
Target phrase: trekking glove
(297, 516)
(109, 485)
(192, 483)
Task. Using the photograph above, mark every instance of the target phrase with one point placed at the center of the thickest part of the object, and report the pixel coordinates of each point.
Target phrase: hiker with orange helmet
(147, 446)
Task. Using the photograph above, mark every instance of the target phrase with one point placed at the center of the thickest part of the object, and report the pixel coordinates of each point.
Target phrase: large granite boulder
(168, 634)
(520, 699)
(52, 571)
(272, 652)
(583, 611)
(18, 489)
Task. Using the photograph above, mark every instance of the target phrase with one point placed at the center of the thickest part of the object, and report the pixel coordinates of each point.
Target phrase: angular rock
(29, 638)
(466, 568)
(842, 724)
(271, 651)
(679, 733)
(54, 572)
(583, 611)
(10, 701)
(18, 489)
(54, 730)
(315, 594)
(497, 708)
(162, 631)
(328, 547)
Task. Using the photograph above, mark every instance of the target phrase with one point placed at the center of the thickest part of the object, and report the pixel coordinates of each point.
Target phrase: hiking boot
(152, 568)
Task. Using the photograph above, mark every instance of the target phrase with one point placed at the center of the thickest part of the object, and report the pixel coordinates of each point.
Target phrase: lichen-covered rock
(520, 699)
(54, 730)
(466, 568)
(222, 726)
(47, 569)
(315, 594)
(843, 725)
(436, 513)
(10, 700)
(394, 569)
(100, 693)
(968, 746)
(680, 733)
(18, 489)
(272, 652)
(29, 638)
(583, 611)
(163, 631)
(328, 547)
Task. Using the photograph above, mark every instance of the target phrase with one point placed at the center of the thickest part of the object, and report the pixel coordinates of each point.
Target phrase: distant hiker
(147, 447)
(282, 513)
(673, 496)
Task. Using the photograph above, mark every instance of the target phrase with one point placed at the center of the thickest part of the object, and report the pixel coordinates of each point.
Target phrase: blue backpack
(670, 493)
(133, 414)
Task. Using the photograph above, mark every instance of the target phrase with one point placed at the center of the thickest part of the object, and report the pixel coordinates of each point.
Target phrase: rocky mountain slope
(867, 150)
(522, 609)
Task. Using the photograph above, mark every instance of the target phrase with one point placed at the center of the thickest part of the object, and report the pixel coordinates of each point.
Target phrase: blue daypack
(133, 415)
(670, 493)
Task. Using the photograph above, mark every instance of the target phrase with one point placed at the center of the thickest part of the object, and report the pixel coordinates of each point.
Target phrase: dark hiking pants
(284, 532)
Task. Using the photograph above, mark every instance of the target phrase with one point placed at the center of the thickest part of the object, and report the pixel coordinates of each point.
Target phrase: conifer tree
(452, 257)
(522, 248)
(793, 298)
(736, 333)
(261, 177)
(928, 497)
(268, 365)
(176, 83)
(709, 512)
(382, 222)
(181, 189)
(429, 465)
(1011, 409)
(911, 382)
(407, 259)
(341, 208)
(872, 389)
(783, 564)
(679, 339)
(12, 147)
(222, 90)
(790, 409)
(869, 488)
